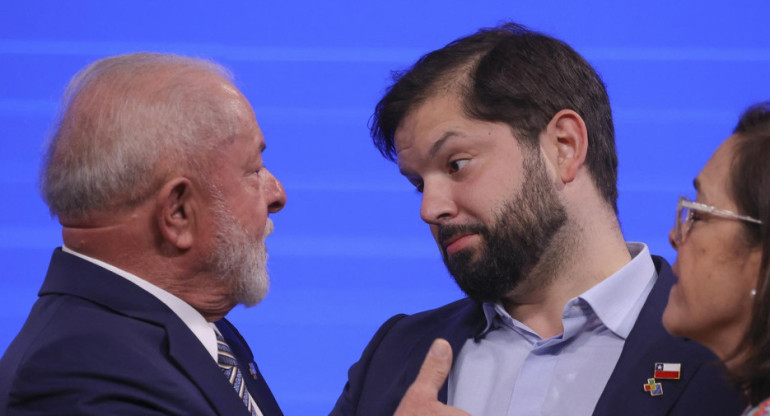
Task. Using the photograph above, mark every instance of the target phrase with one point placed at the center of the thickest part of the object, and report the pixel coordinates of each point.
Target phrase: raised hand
(421, 399)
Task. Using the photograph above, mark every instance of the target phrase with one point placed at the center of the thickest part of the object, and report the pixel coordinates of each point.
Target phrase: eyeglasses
(685, 216)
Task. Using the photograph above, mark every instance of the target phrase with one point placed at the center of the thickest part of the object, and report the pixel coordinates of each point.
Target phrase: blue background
(349, 248)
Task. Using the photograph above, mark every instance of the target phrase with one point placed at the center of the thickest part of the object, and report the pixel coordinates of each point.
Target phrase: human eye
(456, 164)
(695, 215)
(255, 171)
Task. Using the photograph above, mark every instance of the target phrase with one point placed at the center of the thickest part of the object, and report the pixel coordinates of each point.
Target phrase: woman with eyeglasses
(722, 297)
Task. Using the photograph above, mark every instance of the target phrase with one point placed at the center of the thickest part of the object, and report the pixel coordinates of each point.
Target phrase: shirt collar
(191, 317)
(616, 300)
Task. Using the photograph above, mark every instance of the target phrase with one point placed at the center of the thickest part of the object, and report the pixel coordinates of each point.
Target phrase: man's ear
(566, 142)
(176, 213)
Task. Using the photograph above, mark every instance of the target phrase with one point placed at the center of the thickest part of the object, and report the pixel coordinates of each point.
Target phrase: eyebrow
(696, 183)
(440, 142)
(434, 149)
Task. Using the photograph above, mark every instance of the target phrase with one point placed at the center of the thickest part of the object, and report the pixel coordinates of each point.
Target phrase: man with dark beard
(508, 135)
(155, 173)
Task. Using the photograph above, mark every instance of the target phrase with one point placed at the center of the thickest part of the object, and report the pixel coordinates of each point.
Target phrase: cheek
(479, 203)
(677, 314)
(683, 304)
(708, 296)
(259, 223)
(252, 215)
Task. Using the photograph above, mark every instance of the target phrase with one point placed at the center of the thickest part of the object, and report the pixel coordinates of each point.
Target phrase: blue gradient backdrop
(349, 248)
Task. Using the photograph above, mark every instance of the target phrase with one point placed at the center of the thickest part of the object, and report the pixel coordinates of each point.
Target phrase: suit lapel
(647, 344)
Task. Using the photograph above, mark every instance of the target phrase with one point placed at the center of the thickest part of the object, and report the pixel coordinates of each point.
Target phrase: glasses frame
(682, 228)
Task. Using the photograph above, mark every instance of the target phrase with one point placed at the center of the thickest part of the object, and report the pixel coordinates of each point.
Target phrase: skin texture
(489, 249)
(421, 399)
(174, 239)
(246, 192)
(717, 269)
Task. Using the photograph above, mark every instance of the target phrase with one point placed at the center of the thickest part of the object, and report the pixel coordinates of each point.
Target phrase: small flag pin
(668, 371)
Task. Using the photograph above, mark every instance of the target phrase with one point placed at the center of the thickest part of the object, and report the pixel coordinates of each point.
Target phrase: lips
(455, 237)
(455, 242)
(446, 242)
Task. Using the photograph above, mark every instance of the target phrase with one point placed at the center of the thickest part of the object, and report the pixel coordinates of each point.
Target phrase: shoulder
(401, 331)
(69, 320)
(702, 387)
(393, 357)
(90, 358)
(458, 312)
(69, 332)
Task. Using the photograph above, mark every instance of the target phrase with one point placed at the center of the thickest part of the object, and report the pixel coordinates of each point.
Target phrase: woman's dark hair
(750, 183)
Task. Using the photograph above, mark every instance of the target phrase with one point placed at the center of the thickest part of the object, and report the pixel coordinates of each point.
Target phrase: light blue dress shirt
(513, 371)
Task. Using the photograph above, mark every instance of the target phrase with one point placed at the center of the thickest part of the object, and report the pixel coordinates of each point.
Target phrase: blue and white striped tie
(229, 366)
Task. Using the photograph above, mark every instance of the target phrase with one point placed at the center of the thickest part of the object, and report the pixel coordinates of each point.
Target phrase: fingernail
(439, 349)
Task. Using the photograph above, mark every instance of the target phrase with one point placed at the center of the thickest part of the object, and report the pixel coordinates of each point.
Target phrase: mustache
(445, 232)
(269, 227)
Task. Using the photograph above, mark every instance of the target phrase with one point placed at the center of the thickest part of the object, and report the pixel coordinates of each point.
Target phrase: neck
(582, 255)
(132, 244)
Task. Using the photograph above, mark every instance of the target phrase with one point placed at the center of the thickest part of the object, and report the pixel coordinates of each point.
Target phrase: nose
(437, 204)
(274, 193)
(671, 239)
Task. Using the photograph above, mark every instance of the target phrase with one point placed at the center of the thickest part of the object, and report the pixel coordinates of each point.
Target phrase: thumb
(422, 396)
(435, 368)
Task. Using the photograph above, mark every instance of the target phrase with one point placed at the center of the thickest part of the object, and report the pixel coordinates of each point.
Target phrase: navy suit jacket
(96, 344)
(391, 361)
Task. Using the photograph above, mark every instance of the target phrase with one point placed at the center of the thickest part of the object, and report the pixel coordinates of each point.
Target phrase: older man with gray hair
(155, 172)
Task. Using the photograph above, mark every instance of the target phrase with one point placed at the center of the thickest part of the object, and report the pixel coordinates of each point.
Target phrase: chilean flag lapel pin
(668, 371)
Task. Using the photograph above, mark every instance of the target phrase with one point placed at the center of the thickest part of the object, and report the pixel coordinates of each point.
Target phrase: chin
(681, 325)
(252, 288)
(674, 323)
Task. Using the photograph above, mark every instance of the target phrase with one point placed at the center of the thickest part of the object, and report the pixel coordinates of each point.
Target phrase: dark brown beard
(523, 230)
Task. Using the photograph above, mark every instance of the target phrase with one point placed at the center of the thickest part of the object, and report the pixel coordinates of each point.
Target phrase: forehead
(714, 178)
(239, 107)
(428, 120)
(247, 136)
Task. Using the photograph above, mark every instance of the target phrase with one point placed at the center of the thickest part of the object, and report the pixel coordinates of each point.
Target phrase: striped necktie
(229, 366)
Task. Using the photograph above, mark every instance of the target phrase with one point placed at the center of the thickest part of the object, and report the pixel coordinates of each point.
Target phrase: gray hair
(126, 123)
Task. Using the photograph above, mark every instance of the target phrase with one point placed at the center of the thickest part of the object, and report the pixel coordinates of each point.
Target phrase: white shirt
(513, 371)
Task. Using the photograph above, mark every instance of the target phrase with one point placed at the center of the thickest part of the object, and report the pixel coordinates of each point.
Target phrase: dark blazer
(96, 344)
(391, 361)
